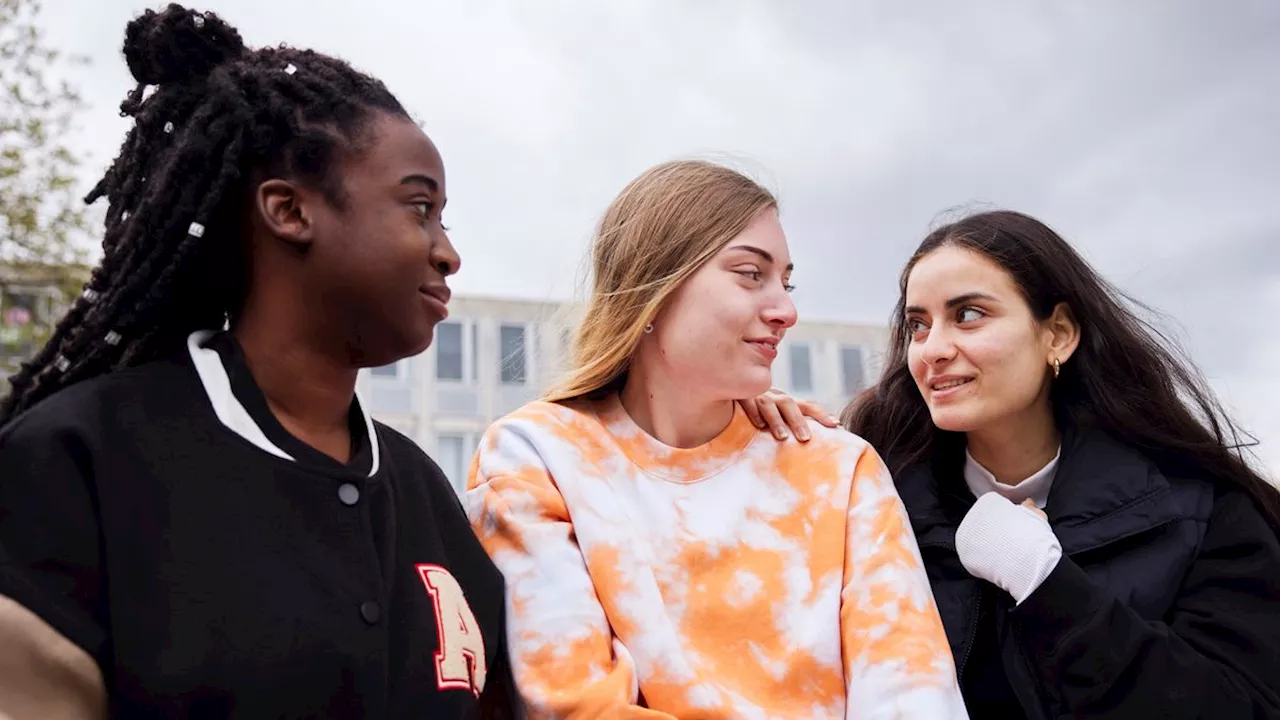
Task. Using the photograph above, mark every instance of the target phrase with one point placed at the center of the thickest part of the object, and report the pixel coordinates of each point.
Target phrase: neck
(308, 391)
(670, 412)
(1017, 448)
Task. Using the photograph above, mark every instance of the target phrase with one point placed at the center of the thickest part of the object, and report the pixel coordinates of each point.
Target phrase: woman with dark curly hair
(197, 517)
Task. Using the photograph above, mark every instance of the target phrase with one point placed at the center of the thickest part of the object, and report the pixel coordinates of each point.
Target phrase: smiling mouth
(950, 384)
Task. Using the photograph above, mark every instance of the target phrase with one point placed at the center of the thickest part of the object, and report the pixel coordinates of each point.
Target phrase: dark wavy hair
(1126, 378)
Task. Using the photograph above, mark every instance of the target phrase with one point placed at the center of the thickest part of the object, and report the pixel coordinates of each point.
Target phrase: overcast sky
(1145, 131)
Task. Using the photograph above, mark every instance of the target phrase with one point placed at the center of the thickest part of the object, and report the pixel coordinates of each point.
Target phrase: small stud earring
(648, 328)
(1057, 367)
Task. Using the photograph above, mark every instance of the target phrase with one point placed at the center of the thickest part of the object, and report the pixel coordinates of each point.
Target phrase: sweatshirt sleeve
(51, 637)
(897, 661)
(563, 655)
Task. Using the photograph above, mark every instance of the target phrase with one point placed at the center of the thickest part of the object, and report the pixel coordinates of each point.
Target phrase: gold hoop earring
(1057, 367)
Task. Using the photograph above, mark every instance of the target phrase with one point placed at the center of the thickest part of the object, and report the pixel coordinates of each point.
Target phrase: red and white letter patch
(460, 658)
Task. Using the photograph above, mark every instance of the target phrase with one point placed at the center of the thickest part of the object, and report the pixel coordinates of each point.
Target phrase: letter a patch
(460, 658)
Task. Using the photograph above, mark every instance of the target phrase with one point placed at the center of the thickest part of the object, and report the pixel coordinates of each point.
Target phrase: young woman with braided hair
(197, 517)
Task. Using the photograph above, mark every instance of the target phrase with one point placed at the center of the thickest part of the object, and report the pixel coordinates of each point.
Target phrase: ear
(283, 208)
(1062, 334)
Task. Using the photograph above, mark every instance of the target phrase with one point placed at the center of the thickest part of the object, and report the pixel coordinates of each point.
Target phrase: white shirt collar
(217, 385)
(1036, 487)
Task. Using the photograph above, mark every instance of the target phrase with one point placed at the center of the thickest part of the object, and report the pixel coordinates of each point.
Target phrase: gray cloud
(1144, 131)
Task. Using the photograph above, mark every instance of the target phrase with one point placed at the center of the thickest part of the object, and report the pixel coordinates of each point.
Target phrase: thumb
(1030, 505)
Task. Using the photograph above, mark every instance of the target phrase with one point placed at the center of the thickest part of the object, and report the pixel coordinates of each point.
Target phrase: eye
(915, 326)
(424, 207)
(753, 275)
(788, 286)
(969, 314)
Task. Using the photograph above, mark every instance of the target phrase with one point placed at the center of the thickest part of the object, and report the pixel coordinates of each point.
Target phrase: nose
(938, 346)
(444, 257)
(780, 314)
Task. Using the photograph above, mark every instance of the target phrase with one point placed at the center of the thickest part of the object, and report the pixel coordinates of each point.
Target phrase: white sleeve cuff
(1007, 545)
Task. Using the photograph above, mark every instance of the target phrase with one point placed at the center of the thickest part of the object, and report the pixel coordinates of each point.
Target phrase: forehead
(395, 148)
(950, 272)
(764, 232)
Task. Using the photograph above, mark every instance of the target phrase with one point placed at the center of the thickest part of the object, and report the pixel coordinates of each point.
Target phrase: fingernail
(803, 435)
(782, 434)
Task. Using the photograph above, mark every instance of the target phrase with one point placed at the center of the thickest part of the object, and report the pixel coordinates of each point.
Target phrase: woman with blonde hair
(664, 556)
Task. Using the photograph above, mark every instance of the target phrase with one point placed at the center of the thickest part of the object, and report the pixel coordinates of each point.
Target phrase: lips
(439, 292)
(945, 388)
(437, 297)
(767, 347)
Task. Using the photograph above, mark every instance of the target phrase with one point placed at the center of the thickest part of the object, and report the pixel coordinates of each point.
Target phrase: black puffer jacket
(1166, 603)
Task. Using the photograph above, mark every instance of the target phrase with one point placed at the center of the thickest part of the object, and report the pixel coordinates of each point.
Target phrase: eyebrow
(425, 180)
(956, 301)
(762, 253)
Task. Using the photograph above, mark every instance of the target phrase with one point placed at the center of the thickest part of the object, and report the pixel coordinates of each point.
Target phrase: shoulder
(404, 453)
(828, 455)
(1236, 517)
(828, 441)
(398, 445)
(540, 417)
(112, 402)
(540, 426)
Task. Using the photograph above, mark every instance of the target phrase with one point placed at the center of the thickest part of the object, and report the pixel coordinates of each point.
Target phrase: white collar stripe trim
(232, 414)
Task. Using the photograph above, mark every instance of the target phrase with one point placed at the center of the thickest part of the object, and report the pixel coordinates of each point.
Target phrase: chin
(955, 419)
(752, 383)
(406, 344)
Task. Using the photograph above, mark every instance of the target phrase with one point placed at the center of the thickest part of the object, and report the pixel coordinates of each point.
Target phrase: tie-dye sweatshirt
(746, 578)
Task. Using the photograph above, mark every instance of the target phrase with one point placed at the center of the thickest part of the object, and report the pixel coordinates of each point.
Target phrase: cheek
(692, 339)
(705, 315)
(992, 351)
(1026, 375)
(1011, 367)
(701, 339)
(915, 364)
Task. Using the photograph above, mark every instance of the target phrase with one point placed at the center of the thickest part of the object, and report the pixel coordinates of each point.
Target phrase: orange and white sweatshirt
(746, 578)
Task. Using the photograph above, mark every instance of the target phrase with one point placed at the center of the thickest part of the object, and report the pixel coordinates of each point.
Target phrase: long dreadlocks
(173, 256)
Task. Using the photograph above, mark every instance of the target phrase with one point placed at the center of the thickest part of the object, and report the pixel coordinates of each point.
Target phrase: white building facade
(493, 355)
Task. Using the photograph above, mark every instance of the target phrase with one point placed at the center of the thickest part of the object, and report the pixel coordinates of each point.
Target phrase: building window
(801, 368)
(454, 452)
(448, 343)
(514, 358)
(449, 456)
(386, 371)
(851, 370)
(474, 349)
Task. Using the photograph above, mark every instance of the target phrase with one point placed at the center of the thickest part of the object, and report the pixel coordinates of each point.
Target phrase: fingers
(795, 419)
(773, 418)
(819, 413)
(753, 413)
(1030, 505)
